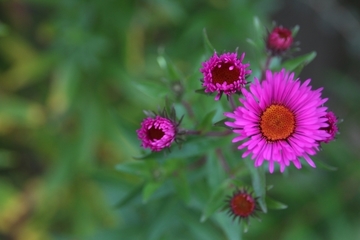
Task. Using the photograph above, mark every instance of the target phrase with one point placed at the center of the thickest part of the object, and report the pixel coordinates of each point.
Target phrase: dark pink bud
(332, 128)
(157, 133)
(279, 40)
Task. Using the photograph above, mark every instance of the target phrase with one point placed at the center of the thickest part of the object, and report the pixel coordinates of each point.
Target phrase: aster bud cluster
(279, 120)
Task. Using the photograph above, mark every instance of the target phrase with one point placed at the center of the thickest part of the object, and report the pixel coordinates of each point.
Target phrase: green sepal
(273, 204)
(202, 91)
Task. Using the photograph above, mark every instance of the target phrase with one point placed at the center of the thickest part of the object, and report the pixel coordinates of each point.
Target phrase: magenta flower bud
(332, 128)
(157, 133)
(224, 74)
(279, 40)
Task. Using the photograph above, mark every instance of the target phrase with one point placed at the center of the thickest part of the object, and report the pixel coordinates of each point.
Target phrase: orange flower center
(155, 133)
(242, 205)
(225, 72)
(277, 123)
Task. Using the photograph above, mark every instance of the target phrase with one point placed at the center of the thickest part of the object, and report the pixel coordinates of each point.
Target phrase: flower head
(224, 74)
(279, 40)
(281, 121)
(332, 128)
(157, 133)
(242, 204)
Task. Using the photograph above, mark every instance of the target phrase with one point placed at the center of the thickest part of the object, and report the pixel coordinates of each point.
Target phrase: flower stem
(223, 162)
(192, 132)
(232, 103)
(218, 134)
(266, 67)
(188, 109)
(208, 134)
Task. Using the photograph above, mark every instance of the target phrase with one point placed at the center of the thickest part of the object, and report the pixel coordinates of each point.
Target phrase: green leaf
(258, 182)
(195, 146)
(206, 122)
(258, 27)
(151, 87)
(168, 66)
(295, 30)
(19, 112)
(221, 123)
(298, 63)
(149, 189)
(259, 34)
(181, 185)
(216, 200)
(245, 226)
(227, 225)
(326, 166)
(273, 204)
(252, 43)
(138, 168)
(214, 171)
(208, 46)
(130, 196)
(201, 91)
(4, 30)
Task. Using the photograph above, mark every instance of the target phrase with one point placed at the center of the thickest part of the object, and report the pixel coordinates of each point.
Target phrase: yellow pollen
(277, 123)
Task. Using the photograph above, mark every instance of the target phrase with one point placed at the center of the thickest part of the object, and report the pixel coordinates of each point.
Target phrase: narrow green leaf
(216, 200)
(245, 226)
(258, 182)
(252, 43)
(181, 185)
(299, 62)
(214, 171)
(195, 146)
(149, 189)
(168, 66)
(208, 46)
(206, 121)
(201, 91)
(227, 225)
(130, 196)
(134, 167)
(259, 29)
(273, 204)
(4, 30)
(295, 30)
(326, 166)
(221, 123)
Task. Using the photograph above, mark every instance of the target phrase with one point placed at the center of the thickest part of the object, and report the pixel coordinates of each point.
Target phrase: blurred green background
(73, 84)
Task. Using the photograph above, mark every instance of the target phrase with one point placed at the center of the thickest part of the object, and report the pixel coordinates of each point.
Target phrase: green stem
(266, 67)
(223, 162)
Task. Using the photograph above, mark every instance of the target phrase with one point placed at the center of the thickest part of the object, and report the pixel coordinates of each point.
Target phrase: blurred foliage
(75, 77)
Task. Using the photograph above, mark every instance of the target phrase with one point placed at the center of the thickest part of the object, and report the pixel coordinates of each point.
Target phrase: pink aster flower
(157, 133)
(281, 121)
(332, 128)
(224, 74)
(279, 40)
